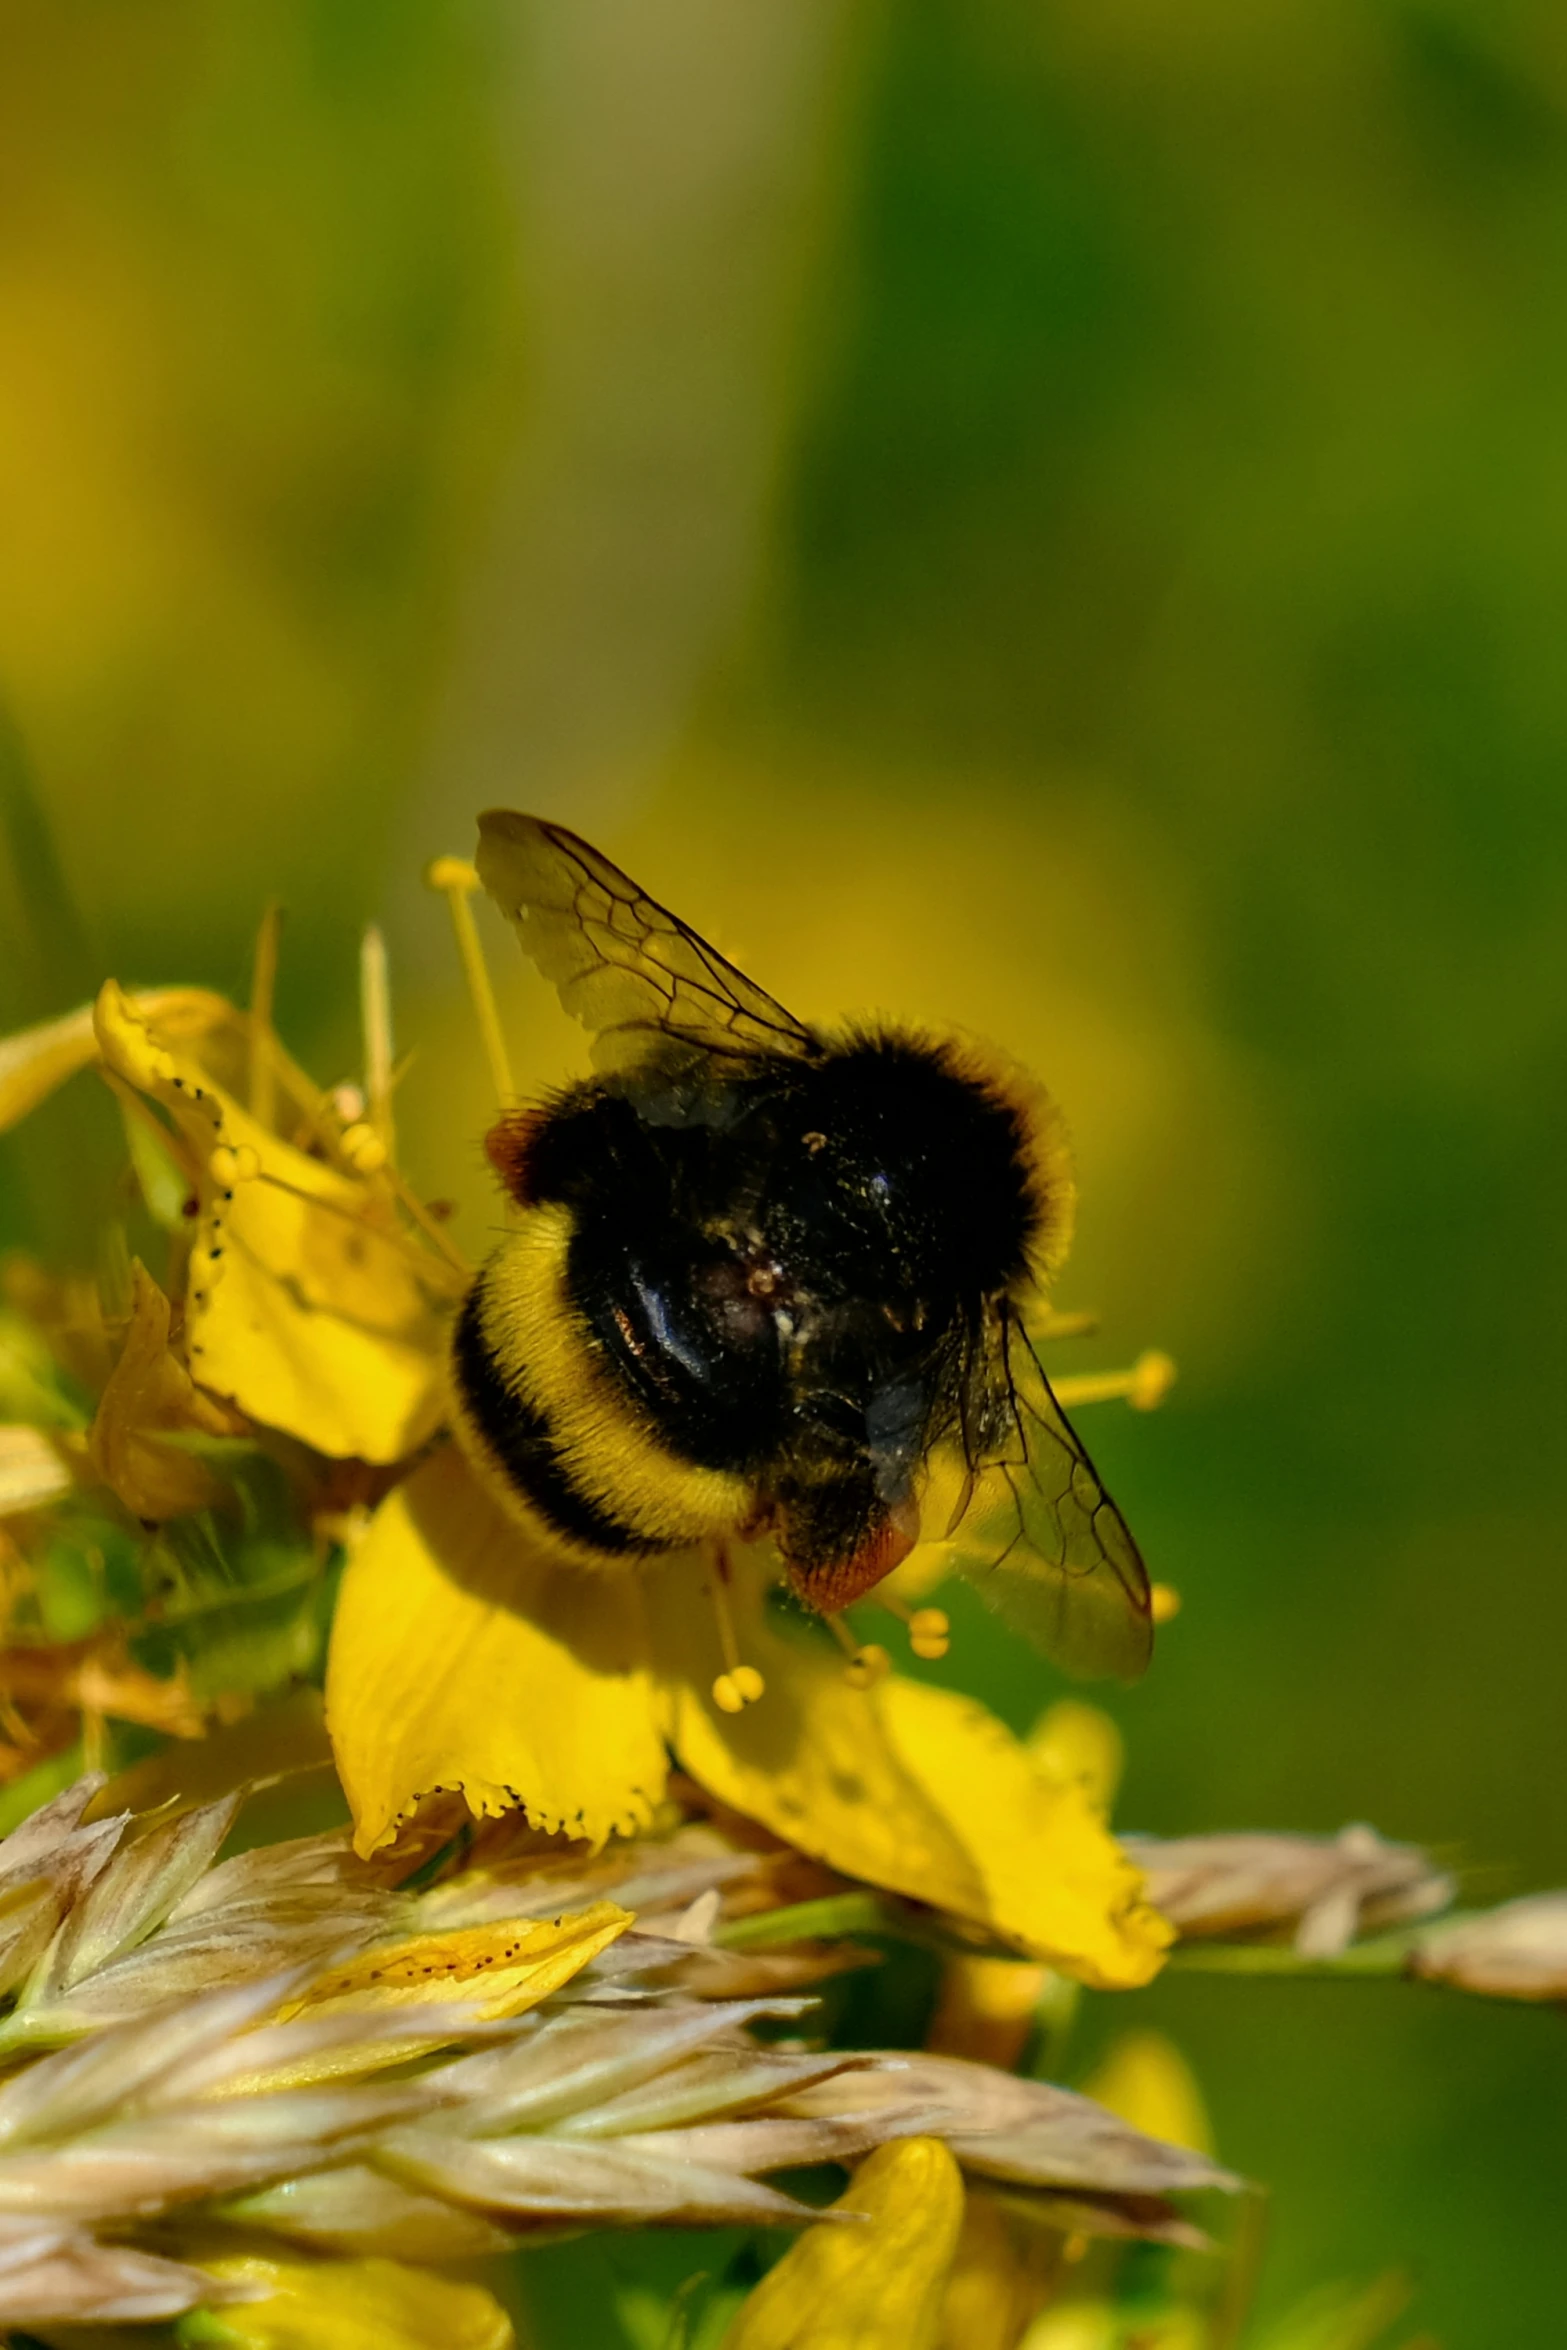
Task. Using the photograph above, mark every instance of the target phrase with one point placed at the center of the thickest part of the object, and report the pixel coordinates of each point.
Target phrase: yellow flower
(464, 1658)
(350, 2305)
(990, 2006)
(1005, 2267)
(310, 1301)
(874, 2285)
(308, 1305)
(1148, 2082)
(149, 1394)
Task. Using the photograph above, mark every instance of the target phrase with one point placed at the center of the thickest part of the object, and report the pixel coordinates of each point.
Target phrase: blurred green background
(1046, 516)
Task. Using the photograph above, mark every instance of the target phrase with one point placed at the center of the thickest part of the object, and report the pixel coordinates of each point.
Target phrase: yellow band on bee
(556, 1367)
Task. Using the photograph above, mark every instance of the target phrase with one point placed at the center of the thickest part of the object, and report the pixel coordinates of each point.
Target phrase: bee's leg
(738, 1685)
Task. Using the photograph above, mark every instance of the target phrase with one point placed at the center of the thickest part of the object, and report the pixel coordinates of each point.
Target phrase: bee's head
(920, 1173)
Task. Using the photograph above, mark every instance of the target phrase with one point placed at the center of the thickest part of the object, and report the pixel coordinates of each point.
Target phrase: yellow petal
(462, 1658)
(66, 1311)
(873, 2286)
(987, 2007)
(308, 1306)
(1082, 2325)
(99, 1679)
(279, 1745)
(1096, 2325)
(149, 1391)
(35, 1061)
(1000, 2277)
(1072, 1740)
(32, 1470)
(353, 2305)
(1148, 2082)
(500, 1969)
(909, 1787)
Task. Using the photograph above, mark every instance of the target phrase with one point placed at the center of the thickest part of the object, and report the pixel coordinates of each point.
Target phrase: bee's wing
(628, 970)
(1036, 1532)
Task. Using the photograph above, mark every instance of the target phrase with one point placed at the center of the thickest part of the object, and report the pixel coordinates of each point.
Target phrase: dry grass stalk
(284, 2041)
(1320, 1891)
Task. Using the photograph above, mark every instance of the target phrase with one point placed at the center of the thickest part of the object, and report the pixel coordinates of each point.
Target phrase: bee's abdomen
(517, 1437)
(554, 1430)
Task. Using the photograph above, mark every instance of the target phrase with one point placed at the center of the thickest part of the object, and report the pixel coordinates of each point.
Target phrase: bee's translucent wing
(1036, 1532)
(644, 984)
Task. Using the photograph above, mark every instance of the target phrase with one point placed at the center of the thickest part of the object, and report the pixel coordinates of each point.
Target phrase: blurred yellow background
(1046, 518)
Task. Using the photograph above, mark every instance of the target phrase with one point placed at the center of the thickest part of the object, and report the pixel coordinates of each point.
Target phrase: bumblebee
(769, 1280)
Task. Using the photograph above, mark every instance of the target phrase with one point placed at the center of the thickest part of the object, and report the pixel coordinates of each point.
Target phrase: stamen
(414, 1206)
(364, 1149)
(457, 880)
(738, 1685)
(842, 1634)
(262, 1087)
(930, 1634)
(366, 1155)
(868, 1661)
(1053, 1325)
(1144, 1386)
(1164, 1602)
(375, 1020)
(429, 1224)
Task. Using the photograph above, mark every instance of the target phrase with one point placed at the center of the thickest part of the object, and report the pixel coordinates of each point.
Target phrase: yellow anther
(867, 1666)
(1153, 1376)
(1165, 1602)
(449, 873)
(930, 1634)
(733, 1692)
(364, 1149)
